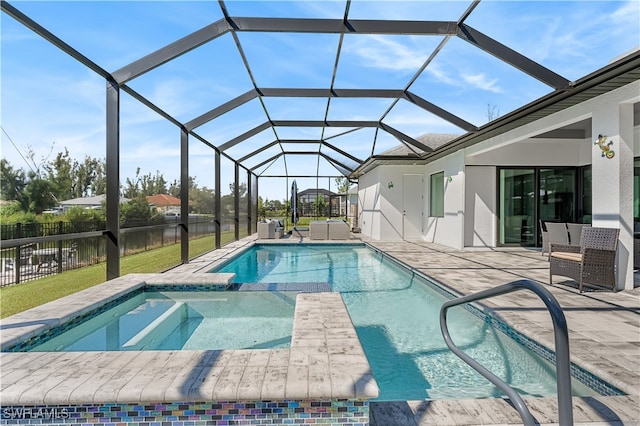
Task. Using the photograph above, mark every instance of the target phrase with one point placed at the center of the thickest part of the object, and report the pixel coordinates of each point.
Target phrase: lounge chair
(593, 262)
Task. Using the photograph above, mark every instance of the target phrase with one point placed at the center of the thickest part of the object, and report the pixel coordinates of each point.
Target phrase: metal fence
(48, 251)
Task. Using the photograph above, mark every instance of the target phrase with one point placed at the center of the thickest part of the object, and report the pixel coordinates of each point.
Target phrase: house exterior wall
(380, 201)
(447, 230)
(470, 195)
(369, 204)
(480, 218)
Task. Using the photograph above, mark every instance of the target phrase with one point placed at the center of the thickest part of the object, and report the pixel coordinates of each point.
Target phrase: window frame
(436, 189)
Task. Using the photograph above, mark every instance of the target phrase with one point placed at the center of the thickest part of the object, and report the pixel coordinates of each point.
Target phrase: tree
(99, 183)
(12, 182)
(242, 189)
(74, 179)
(137, 213)
(38, 195)
(89, 177)
(492, 112)
(342, 185)
(59, 174)
(202, 200)
(320, 205)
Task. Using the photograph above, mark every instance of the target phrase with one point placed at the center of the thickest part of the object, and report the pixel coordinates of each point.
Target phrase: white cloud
(480, 81)
(440, 75)
(386, 53)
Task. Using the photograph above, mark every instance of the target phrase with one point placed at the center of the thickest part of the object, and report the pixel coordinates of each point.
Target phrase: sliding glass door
(528, 195)
(517, 206)
(557, 199)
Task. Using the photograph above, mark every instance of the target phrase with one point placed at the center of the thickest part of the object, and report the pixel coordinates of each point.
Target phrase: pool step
(308, 287)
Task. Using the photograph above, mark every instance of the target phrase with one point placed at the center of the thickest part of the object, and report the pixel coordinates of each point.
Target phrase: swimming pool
(396, 315)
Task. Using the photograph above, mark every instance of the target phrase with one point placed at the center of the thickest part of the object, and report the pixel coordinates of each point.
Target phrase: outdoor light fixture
(390, 185)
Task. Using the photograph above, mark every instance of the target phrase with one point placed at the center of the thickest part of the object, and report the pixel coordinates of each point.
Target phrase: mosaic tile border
(331, 412)
(587, 378)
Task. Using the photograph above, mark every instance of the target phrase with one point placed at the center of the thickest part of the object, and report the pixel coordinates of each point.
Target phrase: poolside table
(49, 256)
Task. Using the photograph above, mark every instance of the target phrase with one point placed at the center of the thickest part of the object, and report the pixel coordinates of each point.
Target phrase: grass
(23, 296)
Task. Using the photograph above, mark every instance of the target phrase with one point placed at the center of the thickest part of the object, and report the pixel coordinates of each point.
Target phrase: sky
(49, 102)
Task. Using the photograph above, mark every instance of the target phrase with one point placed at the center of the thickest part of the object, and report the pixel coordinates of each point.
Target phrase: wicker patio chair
(575, 232)
(338, 230)
(545, 238)
(318, 230)
(553, 232)
(593, 262)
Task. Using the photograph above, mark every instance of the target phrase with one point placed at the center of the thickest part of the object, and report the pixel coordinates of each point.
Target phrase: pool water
(184, 320)
(396, 315)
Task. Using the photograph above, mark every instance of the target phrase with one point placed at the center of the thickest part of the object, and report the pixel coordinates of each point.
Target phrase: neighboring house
(95, 202)
(335, 204)
(164, 203)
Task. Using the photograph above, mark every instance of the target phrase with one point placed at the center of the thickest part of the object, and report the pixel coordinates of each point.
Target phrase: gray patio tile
(297, 386)
(226, 388)
(250, 386)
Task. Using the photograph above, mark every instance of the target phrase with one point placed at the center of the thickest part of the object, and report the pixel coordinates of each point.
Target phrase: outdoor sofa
(329, 230)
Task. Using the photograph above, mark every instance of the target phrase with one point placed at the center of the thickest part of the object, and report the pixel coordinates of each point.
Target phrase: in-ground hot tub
(324, 374)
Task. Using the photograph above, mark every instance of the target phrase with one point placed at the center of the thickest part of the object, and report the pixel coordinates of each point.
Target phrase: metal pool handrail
(561, 336)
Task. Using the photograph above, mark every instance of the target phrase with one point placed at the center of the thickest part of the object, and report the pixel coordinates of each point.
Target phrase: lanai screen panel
(223, 69)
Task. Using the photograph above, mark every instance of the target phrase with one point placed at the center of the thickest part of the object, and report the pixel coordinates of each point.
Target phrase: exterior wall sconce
(390, 185)
(449, 178)
(605, 146)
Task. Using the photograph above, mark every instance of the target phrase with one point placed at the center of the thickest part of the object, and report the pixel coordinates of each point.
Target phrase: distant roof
(314, 191)
(163, 200)
(89, 201)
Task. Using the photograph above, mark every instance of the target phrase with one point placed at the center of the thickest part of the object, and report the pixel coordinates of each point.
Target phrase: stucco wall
(480, 206)
(447, 230)
(380, 198)
(369, 204)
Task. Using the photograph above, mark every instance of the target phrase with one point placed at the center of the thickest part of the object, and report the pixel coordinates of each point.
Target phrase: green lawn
(20, 297)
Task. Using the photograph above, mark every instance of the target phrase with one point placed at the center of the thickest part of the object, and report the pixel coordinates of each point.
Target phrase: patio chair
(575, 232)
(545, 238)
(318, 230)
(338, 230)
(556, 233)
(266, 230)
(593, 262)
